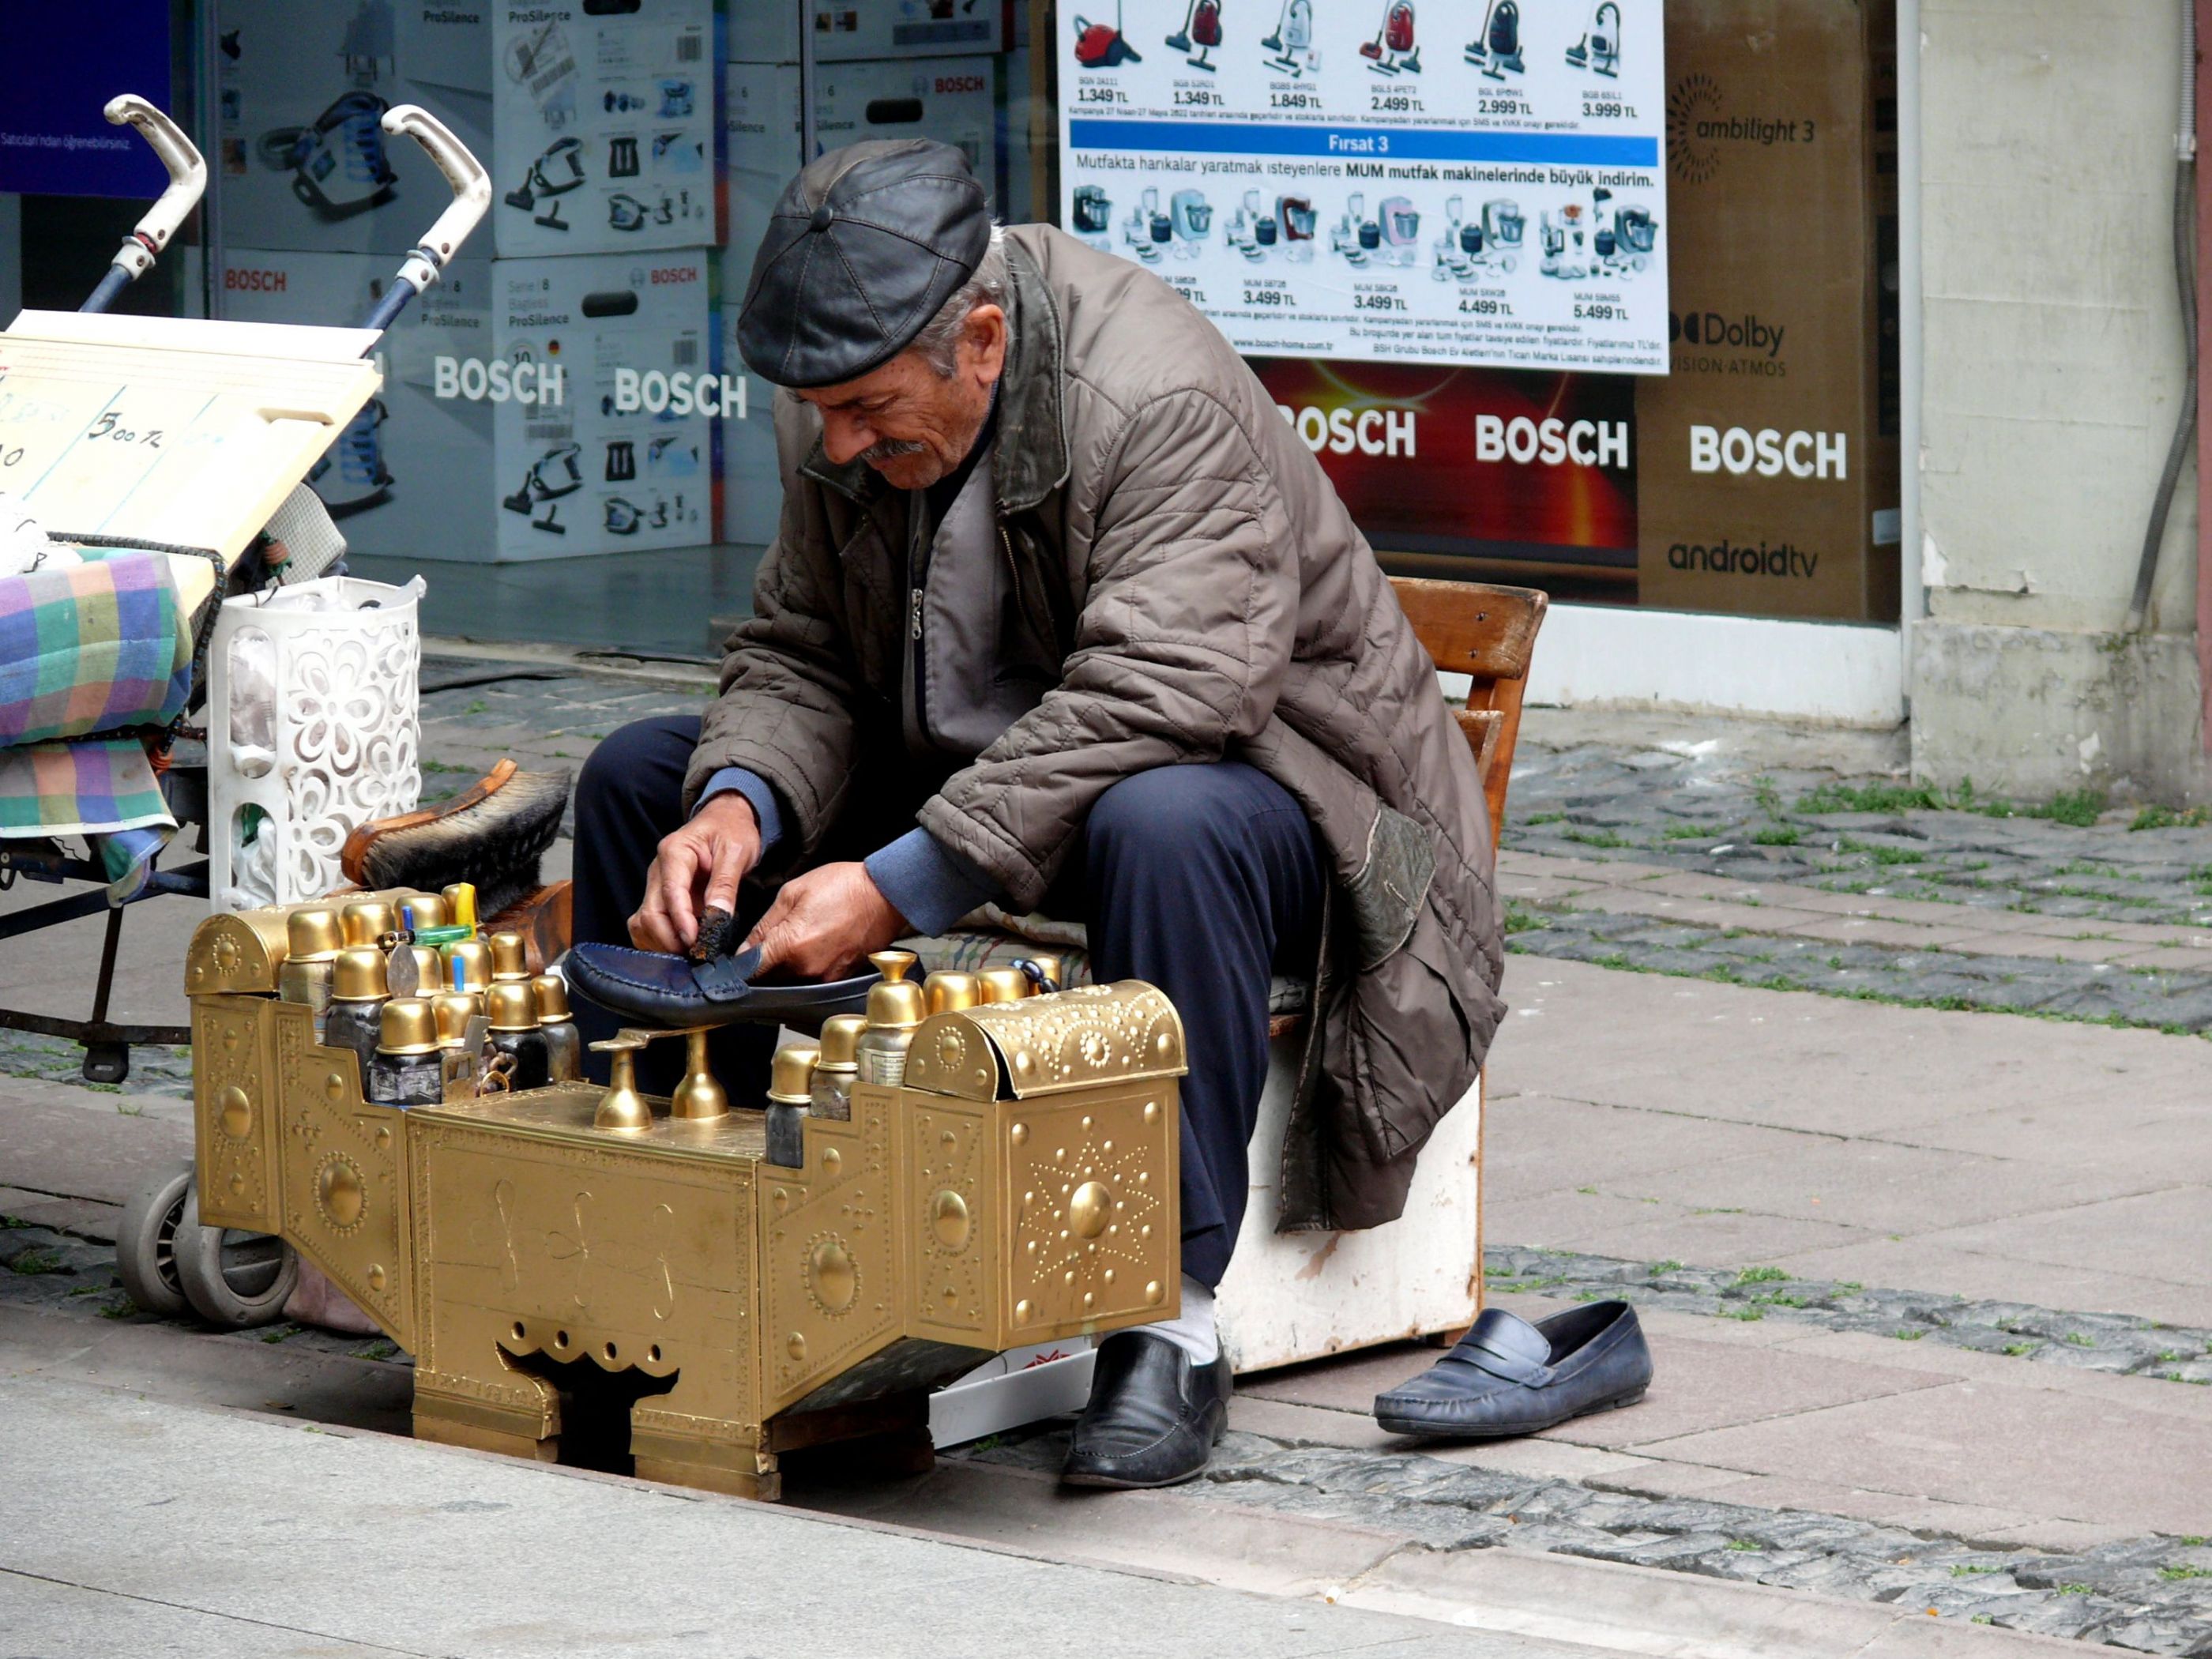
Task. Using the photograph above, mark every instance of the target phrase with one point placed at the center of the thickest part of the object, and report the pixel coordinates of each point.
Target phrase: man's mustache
(889, 449)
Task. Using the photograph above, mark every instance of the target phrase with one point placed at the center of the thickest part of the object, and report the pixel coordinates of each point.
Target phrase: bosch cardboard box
(412, 475)
(301, 161)
(766, 31)
(1767, 457)
(624, 460)
(952, 99)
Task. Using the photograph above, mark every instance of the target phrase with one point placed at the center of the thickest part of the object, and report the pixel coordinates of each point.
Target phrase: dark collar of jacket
(1032, 459)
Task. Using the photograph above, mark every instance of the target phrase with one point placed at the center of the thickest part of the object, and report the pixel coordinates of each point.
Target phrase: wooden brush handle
(353, 857)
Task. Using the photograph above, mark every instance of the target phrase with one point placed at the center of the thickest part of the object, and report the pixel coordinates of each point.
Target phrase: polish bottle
(407, 1070)
(509, 960)
(354, 1020)
(421, 912)
(947, 990)
(469, 963)
(312, 941)
(1005, 984)
(457, 1059)
(790, 1090)
(514, 1011)
(896, 1006)
(831, 1094)
(367, 921)
(564, 1045)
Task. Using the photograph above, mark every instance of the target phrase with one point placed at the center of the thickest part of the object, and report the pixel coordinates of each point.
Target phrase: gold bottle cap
(475, 958)
(948, 992)
(840, 1043)
(552, 994)
(508, 959)
(512, 1006)
(454, 1010)
(367, 921)
(313, 936)
(429, 909)
(1005, 984)
(898, 1003)
(359, 975)
(431, 974)
(410, 1027)
(1048, 965)
(791, 1078)
(460, 903)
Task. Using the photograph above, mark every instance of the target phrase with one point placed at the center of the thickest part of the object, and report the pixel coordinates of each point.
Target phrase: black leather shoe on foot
(1153, 1416)
(1508, 1376)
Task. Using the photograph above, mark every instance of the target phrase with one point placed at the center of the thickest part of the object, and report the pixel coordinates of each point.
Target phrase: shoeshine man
(1062, 614)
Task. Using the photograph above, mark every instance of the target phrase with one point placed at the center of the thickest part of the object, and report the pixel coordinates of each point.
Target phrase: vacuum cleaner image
(1191, 216)
(1291, 47)
(1102, 46)
(1148, 231)
(1201, 24)
(358, 459)
(555, 473)
(338, 166)
(1392, 52)
(558, 170)
(1598, 49)
(1497, 51)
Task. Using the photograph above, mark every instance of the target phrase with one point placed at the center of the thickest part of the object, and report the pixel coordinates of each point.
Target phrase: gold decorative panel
(952, 1215)
(344, 1174)
(1046, 1045)
(236, 1113)
(1095, 1240)
(235, 953)
(829, 1265)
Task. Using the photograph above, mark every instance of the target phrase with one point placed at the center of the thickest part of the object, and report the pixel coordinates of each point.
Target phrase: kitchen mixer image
(1468, 249)
(1148, 232)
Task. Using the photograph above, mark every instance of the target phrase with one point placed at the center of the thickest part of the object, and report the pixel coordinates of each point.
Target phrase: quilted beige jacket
(1183, 562)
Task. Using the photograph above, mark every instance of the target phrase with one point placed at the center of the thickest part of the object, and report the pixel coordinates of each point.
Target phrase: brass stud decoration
(948, 1216)
(832, 1279)
(234, 1113)
(341, 1193)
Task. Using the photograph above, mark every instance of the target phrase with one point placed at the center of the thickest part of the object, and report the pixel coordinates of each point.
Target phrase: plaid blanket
(89, 648)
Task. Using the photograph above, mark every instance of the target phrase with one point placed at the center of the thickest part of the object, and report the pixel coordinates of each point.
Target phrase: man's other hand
(826, 919)
(697, 868)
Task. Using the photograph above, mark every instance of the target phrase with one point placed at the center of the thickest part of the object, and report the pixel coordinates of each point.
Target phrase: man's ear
(983, 342)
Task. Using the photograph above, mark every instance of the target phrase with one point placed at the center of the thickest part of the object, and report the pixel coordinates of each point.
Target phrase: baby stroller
(202, 512)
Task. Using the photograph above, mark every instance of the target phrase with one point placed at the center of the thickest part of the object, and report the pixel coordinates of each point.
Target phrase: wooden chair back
(1488, 634)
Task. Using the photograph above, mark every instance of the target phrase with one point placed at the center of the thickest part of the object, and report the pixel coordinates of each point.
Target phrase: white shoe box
(427, 472)
(766, 31)
(951, 99)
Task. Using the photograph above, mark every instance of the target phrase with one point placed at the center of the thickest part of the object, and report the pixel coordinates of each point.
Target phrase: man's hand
(826, 919)
(697, 868)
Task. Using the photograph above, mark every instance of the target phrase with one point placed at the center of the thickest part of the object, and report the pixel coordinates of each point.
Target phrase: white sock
(1192, 1330)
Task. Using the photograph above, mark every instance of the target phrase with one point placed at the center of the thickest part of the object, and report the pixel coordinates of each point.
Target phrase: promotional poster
(1334, 178)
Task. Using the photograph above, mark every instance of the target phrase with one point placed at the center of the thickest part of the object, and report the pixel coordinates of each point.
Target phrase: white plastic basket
(312, 719)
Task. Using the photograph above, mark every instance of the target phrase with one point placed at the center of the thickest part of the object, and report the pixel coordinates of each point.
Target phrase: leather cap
(865, 246)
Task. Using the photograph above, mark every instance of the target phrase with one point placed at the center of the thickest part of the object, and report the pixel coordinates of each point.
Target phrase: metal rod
(806, 134)
(104, 986)
(1912, 365)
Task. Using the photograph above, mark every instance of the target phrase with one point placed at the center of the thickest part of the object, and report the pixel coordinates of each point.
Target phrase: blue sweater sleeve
(756, 789)
(928, 883)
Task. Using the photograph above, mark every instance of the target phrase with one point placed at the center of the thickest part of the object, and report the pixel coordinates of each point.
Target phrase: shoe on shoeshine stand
(1507, 1377)
(654, 989)
(1154, 1417)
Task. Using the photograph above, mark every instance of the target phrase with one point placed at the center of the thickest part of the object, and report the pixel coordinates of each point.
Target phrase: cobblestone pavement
(2152, 1594)
(2081, 1342)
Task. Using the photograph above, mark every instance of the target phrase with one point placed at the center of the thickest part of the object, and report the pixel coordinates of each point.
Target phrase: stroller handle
(471, 201)
(187, 172)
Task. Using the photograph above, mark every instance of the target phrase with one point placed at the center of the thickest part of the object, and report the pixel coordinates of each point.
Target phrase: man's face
(907, 421)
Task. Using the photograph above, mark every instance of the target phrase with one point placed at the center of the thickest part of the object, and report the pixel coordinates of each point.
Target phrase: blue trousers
(1201, 879)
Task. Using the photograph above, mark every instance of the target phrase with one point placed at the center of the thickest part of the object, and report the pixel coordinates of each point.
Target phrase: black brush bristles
(495, 843)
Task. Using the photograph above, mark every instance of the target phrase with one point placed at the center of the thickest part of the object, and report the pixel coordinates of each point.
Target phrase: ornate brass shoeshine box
(1019, 1187)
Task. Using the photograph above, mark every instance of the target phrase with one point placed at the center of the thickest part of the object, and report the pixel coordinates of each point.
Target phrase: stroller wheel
(145, 1247)
(235, 1279)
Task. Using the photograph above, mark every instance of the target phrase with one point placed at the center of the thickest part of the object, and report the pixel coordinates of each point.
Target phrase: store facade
(1625, 301)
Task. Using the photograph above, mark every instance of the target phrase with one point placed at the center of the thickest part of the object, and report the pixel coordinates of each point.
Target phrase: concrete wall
(2054, 369)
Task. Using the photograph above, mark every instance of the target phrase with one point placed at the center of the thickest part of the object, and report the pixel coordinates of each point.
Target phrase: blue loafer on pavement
(1507, 1377)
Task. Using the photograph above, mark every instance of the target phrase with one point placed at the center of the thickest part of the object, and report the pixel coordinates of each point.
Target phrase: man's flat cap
(865, 246)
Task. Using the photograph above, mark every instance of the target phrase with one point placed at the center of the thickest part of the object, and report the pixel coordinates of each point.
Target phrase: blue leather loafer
(648, 989)
(1508, 1376)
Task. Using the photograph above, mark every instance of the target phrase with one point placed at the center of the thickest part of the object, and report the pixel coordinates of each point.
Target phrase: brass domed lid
(898, 1003)
(509, 959)
(313, 936)
(840, 1043)
(475, 958)
(1005, 984)
(359, 975)
(512, 1006)
(454, 1010)
(791, 1077)
(410, 1027)
(367, 921)
(552, 994)
(431, 974)
(428, 909)
(949, 992)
